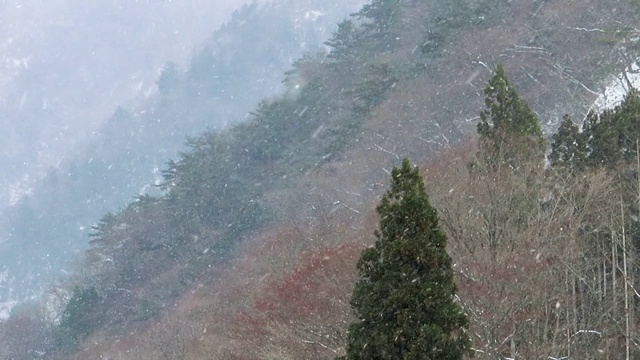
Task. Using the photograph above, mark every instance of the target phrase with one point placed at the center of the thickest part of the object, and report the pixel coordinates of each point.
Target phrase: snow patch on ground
(617, 88)
(5, 309)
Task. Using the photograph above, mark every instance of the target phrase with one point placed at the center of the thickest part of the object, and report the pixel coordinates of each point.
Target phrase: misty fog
(191, 179)
(67, 66)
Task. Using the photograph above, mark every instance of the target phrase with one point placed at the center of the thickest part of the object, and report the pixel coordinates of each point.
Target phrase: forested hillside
(249, 249)
(240, 64)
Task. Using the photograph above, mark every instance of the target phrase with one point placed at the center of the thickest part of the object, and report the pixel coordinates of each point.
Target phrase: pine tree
(404, 300)
(612, 134)
(79, 319)
(509, 131)
(343, 43)
(569, 146)
(382, 14)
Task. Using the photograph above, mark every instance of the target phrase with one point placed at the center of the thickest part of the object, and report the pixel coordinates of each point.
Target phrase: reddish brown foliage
(312, 290)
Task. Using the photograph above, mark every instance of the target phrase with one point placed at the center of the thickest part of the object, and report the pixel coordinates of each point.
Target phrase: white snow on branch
(387, 151)
(599, 333)
(585, 29)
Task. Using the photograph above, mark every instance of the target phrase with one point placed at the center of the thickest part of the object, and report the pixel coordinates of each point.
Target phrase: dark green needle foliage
(404, 300)
(79, 318)
(613, 134)
(382, 15)
(509, 130)
(608, 138)
(569, 146)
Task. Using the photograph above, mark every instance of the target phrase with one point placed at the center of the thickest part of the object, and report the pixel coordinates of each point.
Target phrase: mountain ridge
(113, 164)
(394, 97)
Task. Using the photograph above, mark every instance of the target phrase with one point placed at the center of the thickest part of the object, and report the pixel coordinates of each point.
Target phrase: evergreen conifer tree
(404, 300)
(569, 146)
(509, 131)
(612, 134)
(343, 42)
(78, 319)
(381, 13)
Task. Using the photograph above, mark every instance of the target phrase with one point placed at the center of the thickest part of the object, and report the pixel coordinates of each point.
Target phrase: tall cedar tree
(568, 146)
(79, 318)
(509, 131)
(343, 42)
(404, 300)
(613, 134)
(609, 138)
(382, 15)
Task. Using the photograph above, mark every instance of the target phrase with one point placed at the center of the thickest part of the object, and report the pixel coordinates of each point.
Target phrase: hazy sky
(66, 64)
